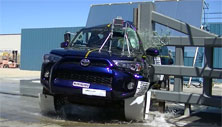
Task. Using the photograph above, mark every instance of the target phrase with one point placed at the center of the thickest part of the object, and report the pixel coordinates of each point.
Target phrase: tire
(59, 101)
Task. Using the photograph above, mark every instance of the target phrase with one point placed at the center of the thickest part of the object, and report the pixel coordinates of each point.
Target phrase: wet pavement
(19, 108)
(24, 87)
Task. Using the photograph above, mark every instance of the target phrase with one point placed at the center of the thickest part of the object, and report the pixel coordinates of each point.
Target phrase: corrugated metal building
(39, 41)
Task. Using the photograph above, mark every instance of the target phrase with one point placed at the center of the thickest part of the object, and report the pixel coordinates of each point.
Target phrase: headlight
(46, 74)
(131, 85)
(51, 58)
(132, 65)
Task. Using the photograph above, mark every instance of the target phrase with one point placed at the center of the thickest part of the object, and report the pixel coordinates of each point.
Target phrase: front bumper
(103, 81)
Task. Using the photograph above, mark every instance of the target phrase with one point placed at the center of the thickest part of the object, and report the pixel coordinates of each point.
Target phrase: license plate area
(94, 92)
(81, 84)
(142, 88)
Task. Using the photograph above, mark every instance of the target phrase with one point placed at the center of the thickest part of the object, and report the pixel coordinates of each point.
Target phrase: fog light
(130, 85)
(46, 75)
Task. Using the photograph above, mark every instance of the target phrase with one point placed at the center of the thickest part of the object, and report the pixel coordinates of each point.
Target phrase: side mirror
(67, 36)
(64, 44)
(152, 52)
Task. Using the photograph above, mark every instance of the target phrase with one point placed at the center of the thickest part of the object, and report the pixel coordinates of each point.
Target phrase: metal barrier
(146, 18)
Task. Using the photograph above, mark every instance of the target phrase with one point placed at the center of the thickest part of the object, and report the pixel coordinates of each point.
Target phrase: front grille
(93, 62)
(102, 79)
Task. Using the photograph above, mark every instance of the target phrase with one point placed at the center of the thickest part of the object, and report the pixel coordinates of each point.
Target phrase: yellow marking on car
(87, 54)
(144, 57)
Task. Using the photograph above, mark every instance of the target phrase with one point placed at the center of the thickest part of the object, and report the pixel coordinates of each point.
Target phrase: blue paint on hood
(94, 54)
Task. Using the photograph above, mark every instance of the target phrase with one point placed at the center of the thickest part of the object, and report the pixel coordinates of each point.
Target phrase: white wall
(10, 42)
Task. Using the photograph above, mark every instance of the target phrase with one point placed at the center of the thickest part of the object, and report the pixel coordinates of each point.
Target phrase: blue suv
(100, 66)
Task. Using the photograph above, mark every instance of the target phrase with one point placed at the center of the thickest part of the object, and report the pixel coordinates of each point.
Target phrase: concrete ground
(19, 107)
(17, 73)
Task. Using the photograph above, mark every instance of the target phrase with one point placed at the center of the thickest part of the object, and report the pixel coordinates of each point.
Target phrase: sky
(18, 14)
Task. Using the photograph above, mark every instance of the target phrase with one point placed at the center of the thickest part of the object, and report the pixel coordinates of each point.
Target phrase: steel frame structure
(145, 18)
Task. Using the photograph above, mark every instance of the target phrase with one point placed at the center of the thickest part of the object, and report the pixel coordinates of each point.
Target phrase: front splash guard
(137, 108)
(46, 103)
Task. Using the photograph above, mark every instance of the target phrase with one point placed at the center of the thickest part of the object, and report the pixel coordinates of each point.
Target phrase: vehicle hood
(93, 54)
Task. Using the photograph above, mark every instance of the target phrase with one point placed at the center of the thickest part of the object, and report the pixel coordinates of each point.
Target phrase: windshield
(89, 38)
(95, 37)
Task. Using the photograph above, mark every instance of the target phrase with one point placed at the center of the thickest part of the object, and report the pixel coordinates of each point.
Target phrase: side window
(88, 36)
(120, 43)
(133, 38)
(101, 36)
(84, 38)
(79, 38)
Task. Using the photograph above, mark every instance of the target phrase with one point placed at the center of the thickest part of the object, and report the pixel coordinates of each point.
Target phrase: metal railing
(146, 18)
